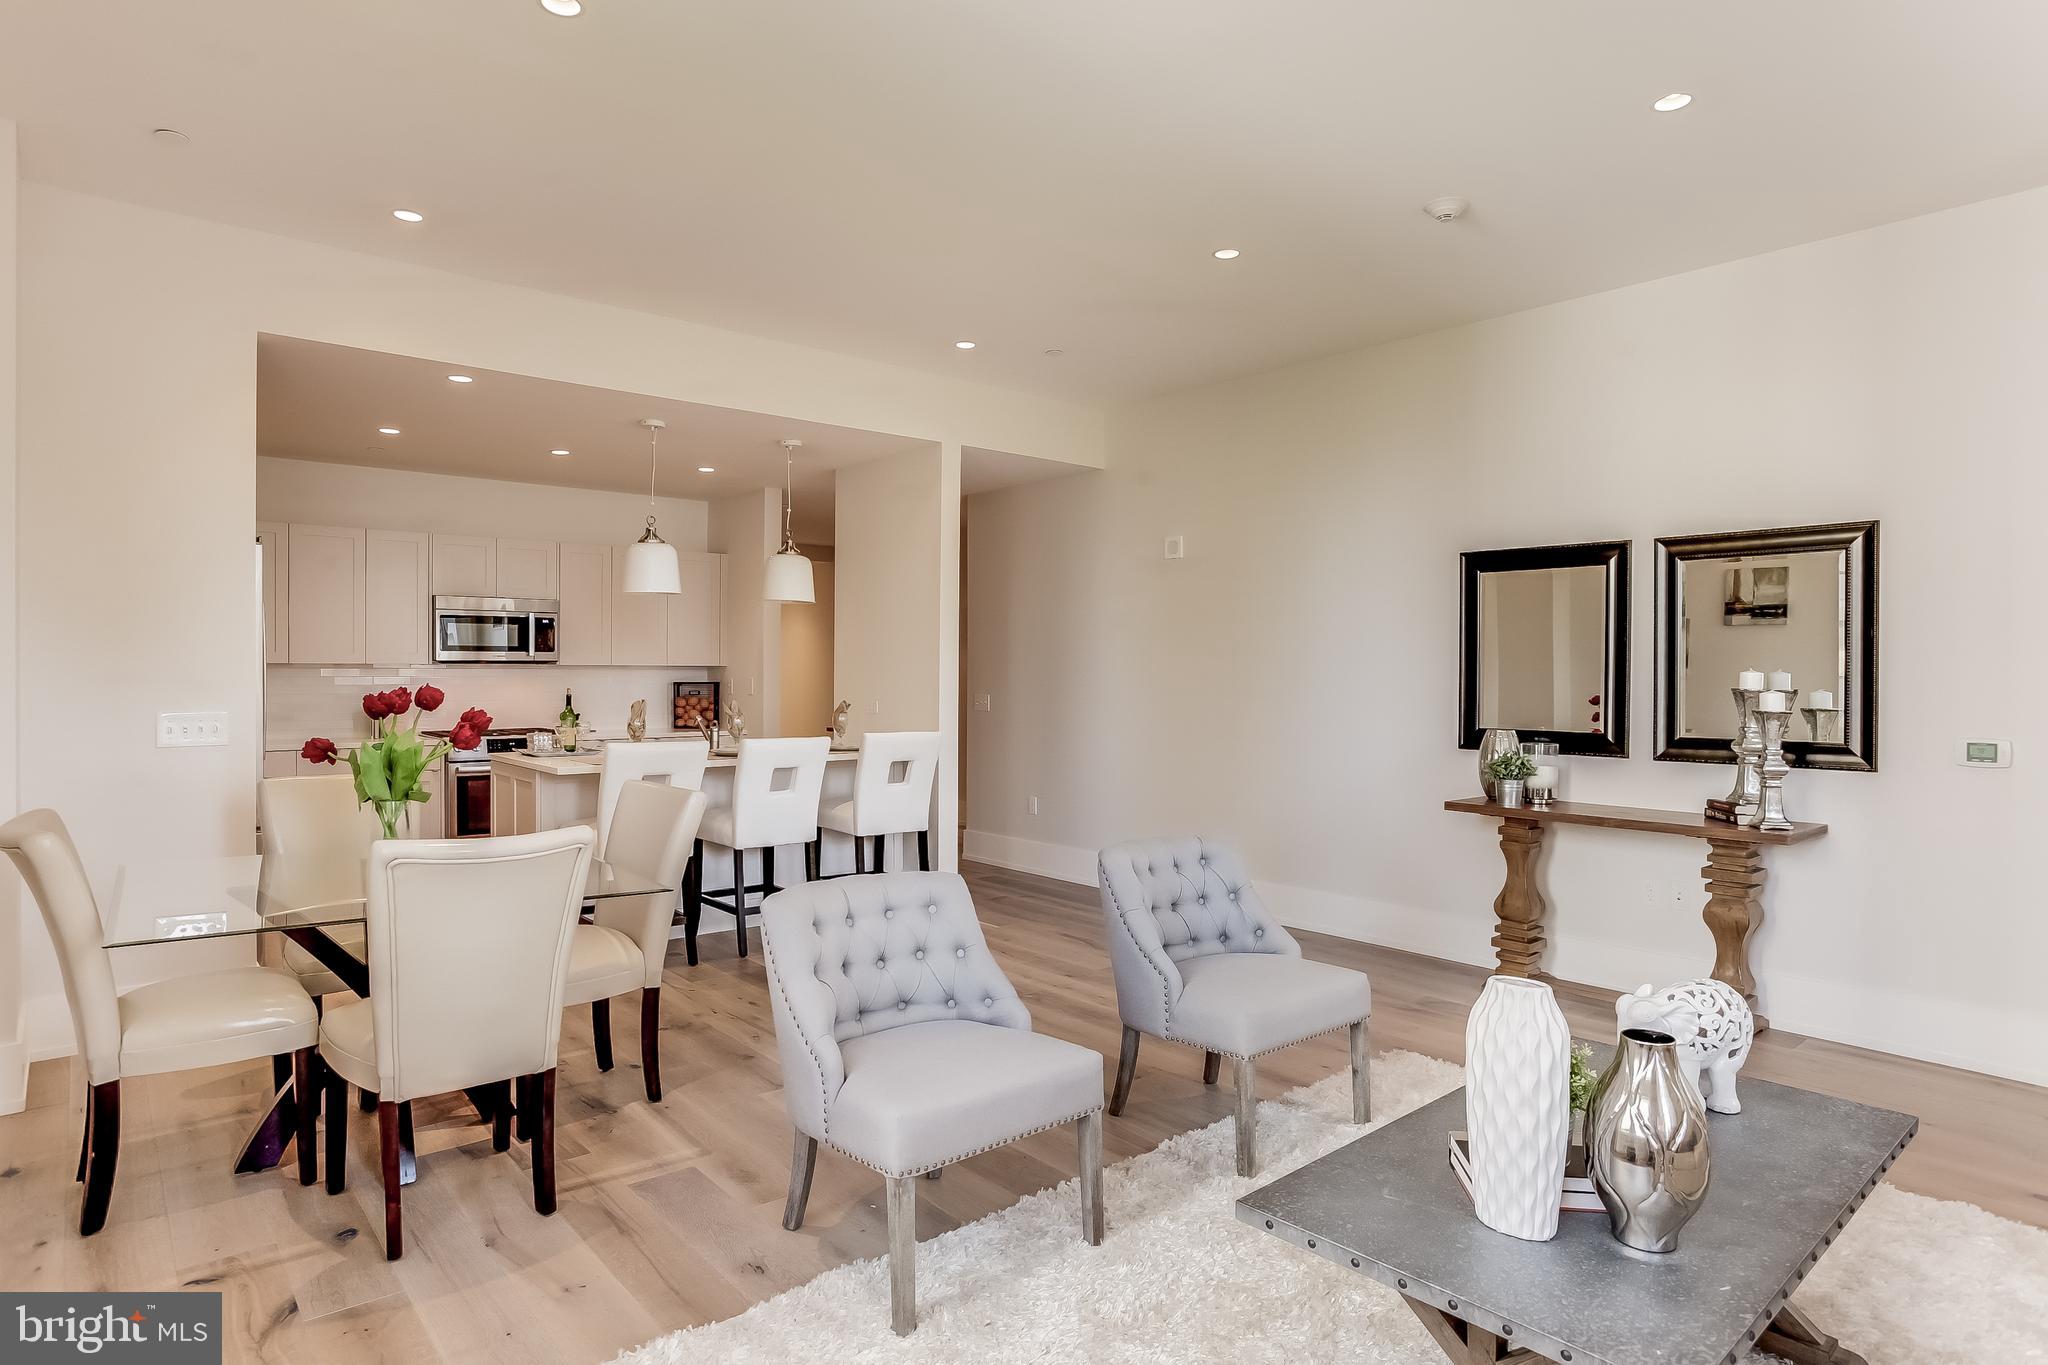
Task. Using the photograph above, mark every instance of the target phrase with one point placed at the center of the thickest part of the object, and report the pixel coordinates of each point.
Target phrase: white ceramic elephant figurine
(1713, 1026)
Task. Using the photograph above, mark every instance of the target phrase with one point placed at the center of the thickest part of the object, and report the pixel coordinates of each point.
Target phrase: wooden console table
(1734, 873)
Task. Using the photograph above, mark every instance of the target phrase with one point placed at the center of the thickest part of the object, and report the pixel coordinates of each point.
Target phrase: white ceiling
(888, 176)
(320, 402)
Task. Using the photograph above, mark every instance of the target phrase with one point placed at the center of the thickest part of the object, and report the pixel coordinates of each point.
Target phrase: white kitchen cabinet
(327, 572)
(584, 630)
(400, 605)
(280, 763)
(465, 566)
(639, 625)
(275, 538)
(529, 568)
(696, 615)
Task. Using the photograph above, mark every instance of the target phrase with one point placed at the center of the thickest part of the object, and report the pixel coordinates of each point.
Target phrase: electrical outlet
(874, 708)
(1175, 547)
(1034, 805)
(191, 729)
(981, 701)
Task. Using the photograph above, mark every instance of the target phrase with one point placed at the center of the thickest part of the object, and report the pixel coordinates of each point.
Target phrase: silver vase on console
(1646, 1142)
(1492, 745)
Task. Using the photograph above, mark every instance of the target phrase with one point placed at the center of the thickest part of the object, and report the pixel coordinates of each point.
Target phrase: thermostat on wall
(1984, 753)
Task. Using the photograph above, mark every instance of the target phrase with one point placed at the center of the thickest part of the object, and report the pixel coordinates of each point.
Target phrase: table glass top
(172, 902)
(1788, 1170)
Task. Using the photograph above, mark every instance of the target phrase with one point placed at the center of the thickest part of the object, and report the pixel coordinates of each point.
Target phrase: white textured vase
(1518, 1057)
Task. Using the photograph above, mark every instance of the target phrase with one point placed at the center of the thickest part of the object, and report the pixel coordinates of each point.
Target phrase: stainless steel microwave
(496, 630)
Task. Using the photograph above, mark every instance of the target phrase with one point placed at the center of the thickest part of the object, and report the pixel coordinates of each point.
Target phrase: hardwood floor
(671, 1213)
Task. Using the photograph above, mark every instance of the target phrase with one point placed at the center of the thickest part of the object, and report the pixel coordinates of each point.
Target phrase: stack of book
(1721, 810)
(1576, 1196)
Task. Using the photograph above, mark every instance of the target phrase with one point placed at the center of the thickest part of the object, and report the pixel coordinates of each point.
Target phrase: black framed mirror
(1800, 600)
(1543, 646)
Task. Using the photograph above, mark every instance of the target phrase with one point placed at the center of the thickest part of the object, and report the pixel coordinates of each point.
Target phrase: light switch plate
(1176, 548)
(191, 729)
(982, 701)
(1984, 753)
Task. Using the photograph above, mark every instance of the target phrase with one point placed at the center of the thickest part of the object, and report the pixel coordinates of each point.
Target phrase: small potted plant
(390, 768)
(1583, 1079)
(1510, 772)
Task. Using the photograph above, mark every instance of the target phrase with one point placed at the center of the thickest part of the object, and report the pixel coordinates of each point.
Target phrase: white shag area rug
(1914, 1281)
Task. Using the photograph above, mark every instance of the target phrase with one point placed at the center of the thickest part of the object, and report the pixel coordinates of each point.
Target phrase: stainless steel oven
(469, 784)
(496, 630)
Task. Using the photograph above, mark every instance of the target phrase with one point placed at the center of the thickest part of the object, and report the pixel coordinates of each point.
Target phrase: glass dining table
(156, 905)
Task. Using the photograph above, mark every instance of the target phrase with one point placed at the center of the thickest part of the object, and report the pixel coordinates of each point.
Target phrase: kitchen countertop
(586, 764)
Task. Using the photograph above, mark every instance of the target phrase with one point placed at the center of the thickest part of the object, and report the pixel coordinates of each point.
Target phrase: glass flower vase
(390, 814)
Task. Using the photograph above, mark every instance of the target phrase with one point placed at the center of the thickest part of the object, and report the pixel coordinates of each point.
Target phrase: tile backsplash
(301, 701)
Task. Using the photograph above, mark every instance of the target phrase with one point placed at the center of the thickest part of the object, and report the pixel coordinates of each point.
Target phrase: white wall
(137, 428)
(896, 615)
(406, 500)
(1292, 683)
(746, 529)
(806, 664)
(13, 1053)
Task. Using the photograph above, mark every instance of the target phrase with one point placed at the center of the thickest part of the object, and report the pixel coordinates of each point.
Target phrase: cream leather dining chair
(652, 832)
(205, 1019)
(316, 840)
(775, 787)
(892, 794)
(679, 762)
(469, 955)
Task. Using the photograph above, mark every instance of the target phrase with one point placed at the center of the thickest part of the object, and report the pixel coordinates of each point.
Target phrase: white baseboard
(1993, 1037)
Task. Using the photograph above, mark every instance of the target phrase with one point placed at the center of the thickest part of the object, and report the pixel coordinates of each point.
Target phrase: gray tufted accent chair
(905, 1047)
(1199, 960)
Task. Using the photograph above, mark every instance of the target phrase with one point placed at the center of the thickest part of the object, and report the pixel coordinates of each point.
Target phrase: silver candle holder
(1748, 746)
(1770, 812)
(1824, 723)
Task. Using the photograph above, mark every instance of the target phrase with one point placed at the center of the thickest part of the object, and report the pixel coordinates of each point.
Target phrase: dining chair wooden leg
(1089, 1131)
(1361, 1072)
(601, 1032)
(924, 850)
(1126, 1068)
(803, 1160)
(366, 1101)
(280, 1070)
(501, 1116)
(337, 1131)
(811, 856)
(1212, 1066)
(693, 902)
(903, 1254)
(306, 1096)
(544, 1144)
(860, 855)
(881, 853)
(650, 1042)
(106, 1149)
(1246, 1074)
(387, 1153)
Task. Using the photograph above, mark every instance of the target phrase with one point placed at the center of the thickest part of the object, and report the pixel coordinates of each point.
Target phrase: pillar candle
(1546, 778)
(1781, 681)
(1749, 680)
(1773, 701)
(1823, 700)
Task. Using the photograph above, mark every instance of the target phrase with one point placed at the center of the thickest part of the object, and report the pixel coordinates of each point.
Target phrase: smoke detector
(1448, 209)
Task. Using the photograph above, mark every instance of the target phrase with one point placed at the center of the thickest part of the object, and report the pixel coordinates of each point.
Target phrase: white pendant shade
(651, 567)
(789, 578)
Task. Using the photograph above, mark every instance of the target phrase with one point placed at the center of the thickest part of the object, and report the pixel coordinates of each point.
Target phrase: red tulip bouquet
(391, 767)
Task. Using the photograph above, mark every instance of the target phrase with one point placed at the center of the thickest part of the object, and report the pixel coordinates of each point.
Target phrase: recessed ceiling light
(1229, 253)
(461, 379)
(558, 452)
(567, 9)
(1676, 100)
(387, 431)
(169, 137)
(408, 216)
(964, 345)
(705, 469)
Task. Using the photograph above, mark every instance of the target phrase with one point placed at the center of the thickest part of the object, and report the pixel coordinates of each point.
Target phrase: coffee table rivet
(1311, 1244)
(1453, 1303)
(1269, 1225)
(1507, 1329)
(1354, 1263)
(1401, 1283)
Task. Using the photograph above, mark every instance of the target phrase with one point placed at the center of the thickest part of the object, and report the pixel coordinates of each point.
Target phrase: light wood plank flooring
(670, 1214)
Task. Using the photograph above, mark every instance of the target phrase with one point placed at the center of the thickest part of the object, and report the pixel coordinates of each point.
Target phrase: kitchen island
(532, 792)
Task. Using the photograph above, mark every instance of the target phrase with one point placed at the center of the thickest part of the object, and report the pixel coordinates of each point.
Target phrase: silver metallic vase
(1646, 1142)
(1492, 745)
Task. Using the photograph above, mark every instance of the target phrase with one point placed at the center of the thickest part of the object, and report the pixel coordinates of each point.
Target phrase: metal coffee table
(1789, 1172)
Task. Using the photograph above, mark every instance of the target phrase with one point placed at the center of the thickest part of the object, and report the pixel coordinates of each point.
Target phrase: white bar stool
(680, 761)
(775, 788)
(892, 794)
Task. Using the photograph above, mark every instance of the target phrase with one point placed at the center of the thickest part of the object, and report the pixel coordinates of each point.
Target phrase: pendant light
(789, 573)
(651, 564)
